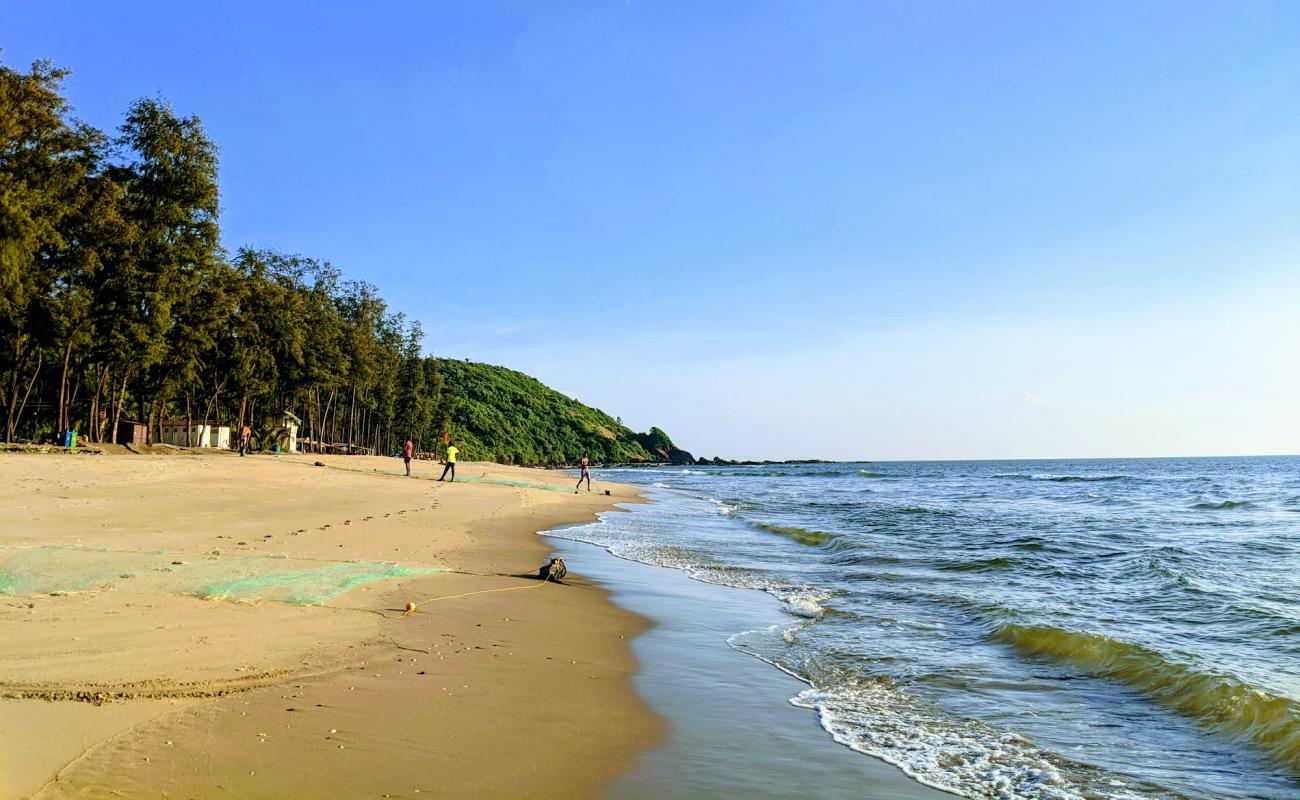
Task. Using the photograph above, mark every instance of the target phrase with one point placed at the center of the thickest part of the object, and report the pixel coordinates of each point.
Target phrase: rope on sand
(539, 584)
(550, 487)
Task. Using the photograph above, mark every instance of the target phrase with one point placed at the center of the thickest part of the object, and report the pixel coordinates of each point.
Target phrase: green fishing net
(238, 576)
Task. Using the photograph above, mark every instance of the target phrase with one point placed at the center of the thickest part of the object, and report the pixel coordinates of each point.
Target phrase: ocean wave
(722, 505)
(867, 473)
(1222, 505)
(814, 538)
(1221, 703)
(808, 606)
(877, 716)
(978, 565)
(797, 599)
(1021, 476)
(937, 512)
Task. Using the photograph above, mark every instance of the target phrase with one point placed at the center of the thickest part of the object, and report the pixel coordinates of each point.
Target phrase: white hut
(183, 433)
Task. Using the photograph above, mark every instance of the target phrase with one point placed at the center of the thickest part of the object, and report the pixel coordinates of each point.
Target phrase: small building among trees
(284, 431)
(188, 433)
(131, 433)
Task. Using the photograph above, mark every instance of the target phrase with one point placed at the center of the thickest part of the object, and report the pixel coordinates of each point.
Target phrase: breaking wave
(814, 538)
(1221, 703)
(1223, 505)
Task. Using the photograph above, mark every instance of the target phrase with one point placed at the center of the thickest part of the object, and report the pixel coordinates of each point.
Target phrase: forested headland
(119, 302)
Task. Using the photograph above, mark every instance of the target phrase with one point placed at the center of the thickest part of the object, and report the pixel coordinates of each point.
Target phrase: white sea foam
(720, 505)
(805, 606)
(970, 760)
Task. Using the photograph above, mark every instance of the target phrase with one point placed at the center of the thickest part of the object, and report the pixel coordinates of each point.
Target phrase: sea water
(1014, 629)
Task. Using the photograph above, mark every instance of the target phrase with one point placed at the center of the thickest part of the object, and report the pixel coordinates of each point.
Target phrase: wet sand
(119, 689)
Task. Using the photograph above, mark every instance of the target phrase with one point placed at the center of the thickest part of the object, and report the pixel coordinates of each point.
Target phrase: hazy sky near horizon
(798, 229)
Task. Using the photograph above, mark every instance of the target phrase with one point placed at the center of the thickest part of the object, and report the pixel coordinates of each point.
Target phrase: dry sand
(127, 686)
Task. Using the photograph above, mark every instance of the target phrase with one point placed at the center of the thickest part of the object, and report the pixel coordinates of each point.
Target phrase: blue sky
(845, 230)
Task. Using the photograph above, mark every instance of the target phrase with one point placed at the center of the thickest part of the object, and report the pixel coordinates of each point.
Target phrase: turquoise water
(1046, 629)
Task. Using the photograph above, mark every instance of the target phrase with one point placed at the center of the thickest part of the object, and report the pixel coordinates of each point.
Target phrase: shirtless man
(586, 473)
(408, 450)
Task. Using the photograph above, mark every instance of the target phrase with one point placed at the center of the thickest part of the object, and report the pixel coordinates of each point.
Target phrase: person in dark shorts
(408, 450)
(451, 463)
(586, 473)
(245, 440)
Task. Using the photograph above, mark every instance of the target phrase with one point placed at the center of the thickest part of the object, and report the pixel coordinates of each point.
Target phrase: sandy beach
(213, 626)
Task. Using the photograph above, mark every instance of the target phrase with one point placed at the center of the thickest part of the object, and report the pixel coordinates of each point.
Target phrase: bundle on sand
(553, 570)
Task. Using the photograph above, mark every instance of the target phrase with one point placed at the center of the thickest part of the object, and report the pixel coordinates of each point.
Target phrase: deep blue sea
(1015, 629)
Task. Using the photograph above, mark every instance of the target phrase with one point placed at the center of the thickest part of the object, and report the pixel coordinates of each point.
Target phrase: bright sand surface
(140, 654)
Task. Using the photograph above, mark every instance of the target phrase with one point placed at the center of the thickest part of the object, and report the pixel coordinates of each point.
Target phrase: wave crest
(1020, 476)
(1221, 703)
(1223, 505)
(814, 538)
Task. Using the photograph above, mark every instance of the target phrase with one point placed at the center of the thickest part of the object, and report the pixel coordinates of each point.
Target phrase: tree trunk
(210, 412)
(74, 423)
(16, 406)
(92, 425)
(63, 388)
(352, 417)
(328, 432)
(121, 401)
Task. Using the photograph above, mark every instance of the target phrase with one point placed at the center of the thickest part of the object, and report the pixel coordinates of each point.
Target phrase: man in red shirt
(407, 452)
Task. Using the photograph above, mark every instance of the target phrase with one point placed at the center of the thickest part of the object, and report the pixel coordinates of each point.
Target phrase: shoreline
(733, 730)
(475, 695)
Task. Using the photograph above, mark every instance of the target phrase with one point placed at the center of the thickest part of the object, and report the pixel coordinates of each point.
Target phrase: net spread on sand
(302, 581)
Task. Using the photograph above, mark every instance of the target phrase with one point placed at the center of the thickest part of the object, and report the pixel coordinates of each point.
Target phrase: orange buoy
(410, 608)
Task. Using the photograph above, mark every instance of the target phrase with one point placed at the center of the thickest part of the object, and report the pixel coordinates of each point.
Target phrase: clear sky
(798, 229)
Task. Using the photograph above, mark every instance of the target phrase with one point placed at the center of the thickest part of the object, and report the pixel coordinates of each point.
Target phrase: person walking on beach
(451, 463)
(245, 440)
(408, 450)
(586, 473)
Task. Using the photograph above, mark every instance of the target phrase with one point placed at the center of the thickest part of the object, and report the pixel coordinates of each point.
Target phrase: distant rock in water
(661, 448)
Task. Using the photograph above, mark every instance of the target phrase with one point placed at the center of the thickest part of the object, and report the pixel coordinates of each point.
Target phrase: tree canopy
(119, 303)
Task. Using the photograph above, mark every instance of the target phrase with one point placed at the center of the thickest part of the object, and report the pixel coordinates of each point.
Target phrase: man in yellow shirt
(451, 463)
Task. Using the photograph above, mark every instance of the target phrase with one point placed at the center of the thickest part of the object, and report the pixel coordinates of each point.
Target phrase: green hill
(506, 416)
